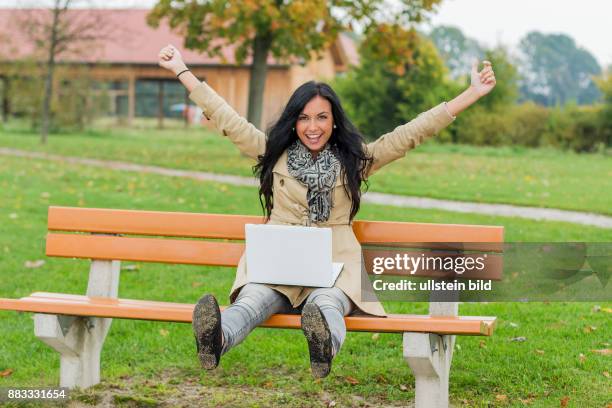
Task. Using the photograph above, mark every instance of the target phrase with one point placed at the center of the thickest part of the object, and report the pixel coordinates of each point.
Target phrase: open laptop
(290, 255)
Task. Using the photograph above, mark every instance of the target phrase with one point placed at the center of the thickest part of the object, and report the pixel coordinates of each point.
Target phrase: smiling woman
(311, 166)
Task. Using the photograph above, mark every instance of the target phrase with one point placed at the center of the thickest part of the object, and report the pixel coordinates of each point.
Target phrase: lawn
(533, 177)
(144, 363)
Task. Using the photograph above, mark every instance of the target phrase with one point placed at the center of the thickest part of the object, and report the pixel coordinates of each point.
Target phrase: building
(126, 59)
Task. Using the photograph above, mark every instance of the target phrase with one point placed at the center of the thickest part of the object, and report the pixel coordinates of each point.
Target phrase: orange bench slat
(144, 249)
(197, 225)
(55, 303)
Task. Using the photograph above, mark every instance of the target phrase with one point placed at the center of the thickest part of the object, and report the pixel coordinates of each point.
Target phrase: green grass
(144, 363)
(534, 177)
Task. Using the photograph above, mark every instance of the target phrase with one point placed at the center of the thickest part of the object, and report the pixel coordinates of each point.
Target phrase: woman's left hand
(483, 82)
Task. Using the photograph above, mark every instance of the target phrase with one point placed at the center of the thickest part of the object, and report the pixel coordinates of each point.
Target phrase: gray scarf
(318, 175)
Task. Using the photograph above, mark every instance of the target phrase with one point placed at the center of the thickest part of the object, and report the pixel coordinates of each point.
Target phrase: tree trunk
(6, 104)
(160, 105)
(46, 105)
(257, 82)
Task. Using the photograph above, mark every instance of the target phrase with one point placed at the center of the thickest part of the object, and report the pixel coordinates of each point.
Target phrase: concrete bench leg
(429, 357)
(79, 340)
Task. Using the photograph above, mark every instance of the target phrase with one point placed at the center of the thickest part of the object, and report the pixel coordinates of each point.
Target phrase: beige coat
(290, 206)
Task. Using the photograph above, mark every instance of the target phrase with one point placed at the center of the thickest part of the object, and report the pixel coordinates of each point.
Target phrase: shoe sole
(318, 337)
(207, 323)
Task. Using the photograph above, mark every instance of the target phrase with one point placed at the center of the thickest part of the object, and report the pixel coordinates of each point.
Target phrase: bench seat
(67, 304)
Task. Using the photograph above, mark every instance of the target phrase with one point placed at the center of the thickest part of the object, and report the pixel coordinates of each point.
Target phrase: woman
(311, 167)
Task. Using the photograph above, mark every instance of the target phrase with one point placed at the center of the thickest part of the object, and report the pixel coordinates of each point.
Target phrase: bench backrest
(108, 227)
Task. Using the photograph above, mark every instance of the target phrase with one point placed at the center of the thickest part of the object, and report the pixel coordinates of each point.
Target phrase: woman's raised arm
(249, 140)
(397, 143)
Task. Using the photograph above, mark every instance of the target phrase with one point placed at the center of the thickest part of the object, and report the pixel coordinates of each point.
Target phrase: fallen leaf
(603, 352)
(381, 379)
(607, 310)
(513, 325)
(403, 387)
(331, 404)
(606, 374)
(520, 338)
(540, 352)
(164, 332)
(526, 401)
(196, 284)
(34, 264)
(501, 397)
(6, 373)
(375, 336)
(589, 329)
(268, 384)
(564, 401)
(45, 195)
(581, 357)
(351, 380)
(482, 344)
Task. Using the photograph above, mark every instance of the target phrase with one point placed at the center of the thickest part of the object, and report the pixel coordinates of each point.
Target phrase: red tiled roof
(131, 39)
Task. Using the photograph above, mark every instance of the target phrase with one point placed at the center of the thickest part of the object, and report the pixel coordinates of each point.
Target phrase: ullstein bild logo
(524, 271)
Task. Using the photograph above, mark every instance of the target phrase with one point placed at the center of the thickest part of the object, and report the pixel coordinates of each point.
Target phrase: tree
(457, 50)
(381, 94)
(556, 71)
(287, 30)
(57, 32)
(604, 82)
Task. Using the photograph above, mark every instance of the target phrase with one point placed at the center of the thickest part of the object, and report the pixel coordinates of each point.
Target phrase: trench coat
(289, 195)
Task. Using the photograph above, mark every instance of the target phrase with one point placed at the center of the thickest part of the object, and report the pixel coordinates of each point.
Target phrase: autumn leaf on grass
(501, 397)
(564, 401)
(34, 264)
(606, 374)
(581, 357)
(603, 352)
(375, 336)
(163, 332)
(351, 380)
(403, 387)
(540, 352)
(589, 329)
(6, 373)
(482, 344)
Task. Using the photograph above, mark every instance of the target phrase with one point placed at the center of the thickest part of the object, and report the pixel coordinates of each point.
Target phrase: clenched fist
(170, 58)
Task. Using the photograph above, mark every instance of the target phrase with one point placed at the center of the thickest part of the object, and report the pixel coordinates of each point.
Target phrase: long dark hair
(347, 144)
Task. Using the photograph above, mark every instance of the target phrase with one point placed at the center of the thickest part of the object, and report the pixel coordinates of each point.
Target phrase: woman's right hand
(170, 58)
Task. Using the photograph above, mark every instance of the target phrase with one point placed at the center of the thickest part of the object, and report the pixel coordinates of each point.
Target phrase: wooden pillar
(160, 105)
(131, 99)
(187, 111)
(6, 107)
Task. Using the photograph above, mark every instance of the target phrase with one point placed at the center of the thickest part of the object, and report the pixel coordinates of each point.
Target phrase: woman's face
(315, 124)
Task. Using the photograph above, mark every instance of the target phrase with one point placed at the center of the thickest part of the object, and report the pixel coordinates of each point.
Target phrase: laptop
(290, 255)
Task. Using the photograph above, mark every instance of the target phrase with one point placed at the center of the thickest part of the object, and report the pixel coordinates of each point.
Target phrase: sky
(490, 22)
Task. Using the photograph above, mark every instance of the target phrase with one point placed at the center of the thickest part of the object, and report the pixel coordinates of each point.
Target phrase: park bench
(76, 326)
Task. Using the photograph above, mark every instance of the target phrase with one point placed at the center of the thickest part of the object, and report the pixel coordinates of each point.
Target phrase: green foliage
(380, 94)
(604, 84)
(556, 71)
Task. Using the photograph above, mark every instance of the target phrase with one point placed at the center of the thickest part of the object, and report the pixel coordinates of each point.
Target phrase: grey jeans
(256, 303)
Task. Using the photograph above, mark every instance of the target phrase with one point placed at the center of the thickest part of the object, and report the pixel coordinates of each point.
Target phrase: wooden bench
(76, 326)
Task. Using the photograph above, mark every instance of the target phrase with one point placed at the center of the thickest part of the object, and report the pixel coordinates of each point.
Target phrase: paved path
(548, 214)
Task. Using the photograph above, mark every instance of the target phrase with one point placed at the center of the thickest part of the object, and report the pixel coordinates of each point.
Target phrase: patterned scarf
(318, 175)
